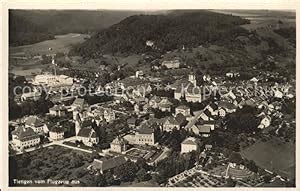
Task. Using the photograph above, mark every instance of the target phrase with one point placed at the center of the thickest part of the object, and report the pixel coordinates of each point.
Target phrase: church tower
(192, 79)
(77, 124)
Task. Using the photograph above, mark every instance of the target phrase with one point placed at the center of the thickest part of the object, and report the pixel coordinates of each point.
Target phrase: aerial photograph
(152, 98)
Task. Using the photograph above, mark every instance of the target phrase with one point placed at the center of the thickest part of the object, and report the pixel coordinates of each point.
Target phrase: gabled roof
(226, 105)
(145, 130)
(56, 129)
(181, 119)
(190, 141)
(214, 106)
(203, 122)
(207, 113)
(86, 132)
(171, 120)
(183, 107)
(34, 121)
(119, 141)
(156, 99)
(131, 120)
(25, 133)
(165, 103)
(203, 128)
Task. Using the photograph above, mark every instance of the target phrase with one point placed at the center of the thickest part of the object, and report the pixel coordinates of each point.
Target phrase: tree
(252, 166)
(75, 160)
(126, 172)
(142, 175)
(235, 157)
(109, 178)
(142, 164)
(101, 181)
(267, 178)
(36, 163)
(95, 155)
(230, 182)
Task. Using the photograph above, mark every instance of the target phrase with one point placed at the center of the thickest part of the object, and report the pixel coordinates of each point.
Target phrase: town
(167, 125)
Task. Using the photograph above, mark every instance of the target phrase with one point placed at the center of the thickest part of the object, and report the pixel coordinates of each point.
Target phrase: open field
(61, 43)
(21, 63)
(274, 155)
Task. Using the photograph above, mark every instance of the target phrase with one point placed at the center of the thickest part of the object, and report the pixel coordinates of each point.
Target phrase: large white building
(190, 144)
(53, 80)
(118, 145)
(56, 133)
(188, 90)
(171, 64)
(145, 135)
(88, 136)
(36, 124)
(24, 137)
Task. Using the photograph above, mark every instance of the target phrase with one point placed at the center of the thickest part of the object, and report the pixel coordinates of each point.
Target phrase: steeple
(77, 123)
(192, 79)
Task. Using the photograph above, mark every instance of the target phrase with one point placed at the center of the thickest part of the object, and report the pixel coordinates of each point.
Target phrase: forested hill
(22, 31)
(168, 31)
(31, 26)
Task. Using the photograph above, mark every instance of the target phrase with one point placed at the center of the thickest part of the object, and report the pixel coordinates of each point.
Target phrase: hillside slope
(31, 26)
(167, 31)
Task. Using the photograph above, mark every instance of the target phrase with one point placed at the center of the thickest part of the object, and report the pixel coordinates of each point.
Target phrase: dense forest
(167, 31)
(31, 26)
(22, 31)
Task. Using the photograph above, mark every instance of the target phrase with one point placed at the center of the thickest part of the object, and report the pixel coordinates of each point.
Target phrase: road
(60, 143)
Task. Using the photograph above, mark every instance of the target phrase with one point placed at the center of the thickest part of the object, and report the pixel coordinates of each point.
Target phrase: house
(227, 106)
(137, 108)
(25, 137)
(150, 43)
(87, 135)
(212, 108)
(202, 130)
(105, 164)
(171, 64)
(212, 124)
(190, 144)
(265, 122)
(232, 74)
(183, 109)
(187, 89)
(181, 119)
(208, 147)
(206, 78)
(145, 135)
(165, 105)
(229, 95)
(206, 115)
(118, 145)
(154, 101)
(170, 123)
(58, 110)
(254, 80)
(56, 133)
(103, 114)
(36, 124)
(109, 115)
(278, 94)
(248, 102)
